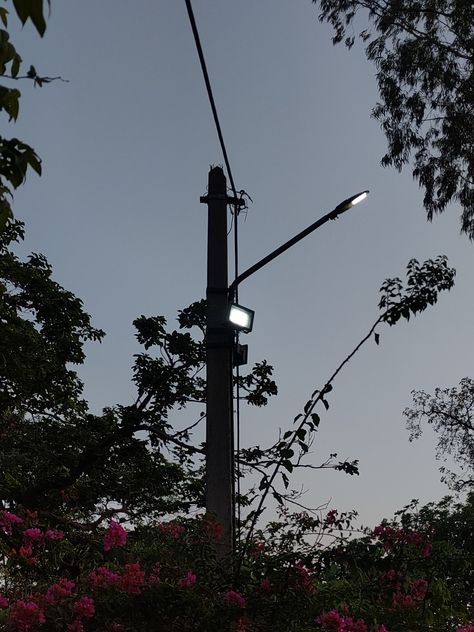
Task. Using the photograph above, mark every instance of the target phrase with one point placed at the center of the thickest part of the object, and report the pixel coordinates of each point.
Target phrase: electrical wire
(202, 61)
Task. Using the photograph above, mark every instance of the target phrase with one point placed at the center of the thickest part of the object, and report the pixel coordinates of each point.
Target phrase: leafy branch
(424, 282)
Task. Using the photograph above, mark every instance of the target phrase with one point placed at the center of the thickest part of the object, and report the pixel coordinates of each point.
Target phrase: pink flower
(75, 626)
(54, 534)
(188, 580)
(172, 529)
(102, 577)
(84, 608)
(114, 536)
(3, 602)
(7, 520)
(133, 579)
(418, 589)
(59, 591)
(331, 621)
(381, 628)
(466, 628)
(304, 576)
(32, 535)
(25, 616)
(334, 622)
(233, 598)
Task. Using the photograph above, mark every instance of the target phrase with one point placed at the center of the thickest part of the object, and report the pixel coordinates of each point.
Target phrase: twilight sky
(126, 147)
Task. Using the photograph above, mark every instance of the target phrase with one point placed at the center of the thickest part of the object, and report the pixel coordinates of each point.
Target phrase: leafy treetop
(424, 54)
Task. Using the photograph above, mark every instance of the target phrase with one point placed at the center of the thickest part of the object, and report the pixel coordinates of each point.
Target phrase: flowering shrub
(169, 577)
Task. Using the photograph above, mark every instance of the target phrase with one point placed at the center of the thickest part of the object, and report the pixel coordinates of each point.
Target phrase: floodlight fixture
(241, 318)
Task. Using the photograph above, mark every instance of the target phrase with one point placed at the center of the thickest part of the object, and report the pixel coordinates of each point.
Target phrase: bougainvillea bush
(301, 573)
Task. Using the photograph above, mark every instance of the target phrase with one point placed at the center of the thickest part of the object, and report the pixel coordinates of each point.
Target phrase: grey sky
(126, 146)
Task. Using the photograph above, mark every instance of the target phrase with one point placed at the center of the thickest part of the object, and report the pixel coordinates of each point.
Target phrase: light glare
(239, 317)
(359, 198)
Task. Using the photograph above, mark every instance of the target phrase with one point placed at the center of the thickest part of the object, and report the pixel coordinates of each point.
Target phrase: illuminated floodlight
(241, 318)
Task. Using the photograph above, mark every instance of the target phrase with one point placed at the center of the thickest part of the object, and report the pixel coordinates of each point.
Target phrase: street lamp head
(350, 202)
(359, 197)
(241, 318)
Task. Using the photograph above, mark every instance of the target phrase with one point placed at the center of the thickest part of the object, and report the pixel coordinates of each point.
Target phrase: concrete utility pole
(219, 346)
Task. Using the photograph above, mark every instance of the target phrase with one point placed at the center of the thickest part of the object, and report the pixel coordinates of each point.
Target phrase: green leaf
(278, 497)
(9, 101)
(4, 16)
(5, 215)
(315, 418)
(16, 63)
(32, 9)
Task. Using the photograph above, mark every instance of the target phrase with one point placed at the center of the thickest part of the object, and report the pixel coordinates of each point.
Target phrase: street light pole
(219, 346)
(219, 340)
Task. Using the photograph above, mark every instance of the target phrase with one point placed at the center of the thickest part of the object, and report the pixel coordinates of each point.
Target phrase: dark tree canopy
(424, 54)
(450, 412)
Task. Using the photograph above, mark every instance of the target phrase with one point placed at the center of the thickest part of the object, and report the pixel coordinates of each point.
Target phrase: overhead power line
(210, 95)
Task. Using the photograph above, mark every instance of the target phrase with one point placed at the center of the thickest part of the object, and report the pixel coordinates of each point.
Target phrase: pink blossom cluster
(416, 593)
(59, 591)
(114, 536)
(25, 616)
(391, 537)
(33, 534)
(54, 534)
(466, 628)
(133, 579)
(103, 577)
(305, 576)
(188, 580)
(172, 529)
(130, 581)
(7, 520)
(84, 607)
(234, 598)
(333, 621)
